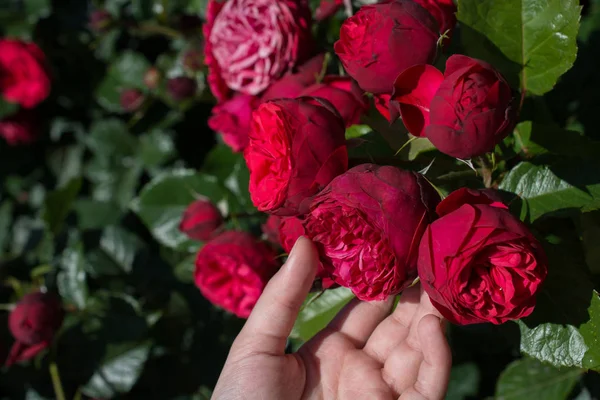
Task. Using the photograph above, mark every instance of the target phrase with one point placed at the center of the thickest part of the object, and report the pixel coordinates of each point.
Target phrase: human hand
(364, 353)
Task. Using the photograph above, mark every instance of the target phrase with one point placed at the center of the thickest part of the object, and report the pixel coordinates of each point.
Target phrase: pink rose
(231, 119)
(233, 269)
(367, 224)
(251, 43)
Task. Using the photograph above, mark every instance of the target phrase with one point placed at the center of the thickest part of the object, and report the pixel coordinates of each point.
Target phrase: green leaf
(66, 163)
(161, 204)
(590, 225)
(118, 372)
(184, 271)
(58, 204)
(527, 378)
(356, 131)
(316, 314)
(541, 138)
(94, 214)
(535, 39)
(464, 382)
(7, 108)
(568, 184)
(156, 148)
(110, 138)
(121, 246)
(6, 217)
(418, 146)
(71, 279)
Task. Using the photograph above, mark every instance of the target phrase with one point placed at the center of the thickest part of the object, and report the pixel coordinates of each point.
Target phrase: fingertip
(433, 341)
(304, 256)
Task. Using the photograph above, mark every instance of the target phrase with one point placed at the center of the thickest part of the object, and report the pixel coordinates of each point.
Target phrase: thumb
(273, 316)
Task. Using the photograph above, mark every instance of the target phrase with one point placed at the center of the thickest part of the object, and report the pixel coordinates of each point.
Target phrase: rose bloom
(367, 224)
(382, 104)
(24, 77)
(233, 269)
(33, 323)
(20, 128)
(292, 84)
(344, 94)
(444, 13)
(131, 100)
(382, 40)
(296, 147)
(251, 43)
(231, 119)
(200, 220)
(478, 263)
(465, 112)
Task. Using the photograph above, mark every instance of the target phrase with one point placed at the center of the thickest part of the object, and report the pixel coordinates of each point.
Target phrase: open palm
(364, 353)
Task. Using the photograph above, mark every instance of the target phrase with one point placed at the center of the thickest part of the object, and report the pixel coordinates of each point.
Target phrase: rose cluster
(25, 82)
(377, 228)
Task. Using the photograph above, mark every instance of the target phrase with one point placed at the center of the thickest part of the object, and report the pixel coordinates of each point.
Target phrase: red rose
(292, 84)
(131, 100)
(251, 43)
(444, 13)
(327, 8)
(231, 119)
(200, 220)
(382, 40)
(297, 146)
(23, 75)
(478, 263)
(181, 88)
(344, 94)
(233, 269)
(382, 104)
(19, 128)
(33, 323)
(465, 112)
(271, 229)
(367, 224)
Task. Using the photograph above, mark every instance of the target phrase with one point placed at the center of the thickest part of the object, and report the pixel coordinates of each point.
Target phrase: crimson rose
(382, 40)
(444, 13)
(251, 43)
(231, 119)
(33, 323)
(478, 263)
(465, 112)
(200, 220)
(233, 269)
(23, 75)
(367, 224)
(292, 84)
(297, 146)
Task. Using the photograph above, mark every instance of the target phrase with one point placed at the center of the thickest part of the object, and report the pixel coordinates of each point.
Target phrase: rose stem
(58, 389)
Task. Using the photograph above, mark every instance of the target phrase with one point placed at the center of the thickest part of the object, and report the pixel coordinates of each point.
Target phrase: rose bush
(232, 270)
(478, 263)
(367, 224)
(296, 147)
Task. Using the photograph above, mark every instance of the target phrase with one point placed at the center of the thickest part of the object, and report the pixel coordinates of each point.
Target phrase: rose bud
(465, 112)
(181, 88)
(231, 119)
(296, 147)
(252, 43)
(152, 78)
(233, 269)
(344, 94)
(328, 8)
(33, 323)
(444, 13)
(100, 21)
(292, 84)
(19, 128)
(270, 229)
(24, 77)
(367, 224)
(200, 220)
(193, 59)
(131, 100)
(478, 263)
(381, 40)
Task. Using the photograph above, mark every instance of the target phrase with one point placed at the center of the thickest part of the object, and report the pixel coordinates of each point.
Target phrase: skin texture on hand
(366, 352)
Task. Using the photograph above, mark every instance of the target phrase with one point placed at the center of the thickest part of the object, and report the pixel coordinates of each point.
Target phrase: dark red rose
(231, 119)
(382, 40)
(344, 94)
(292, 84)
(465, 112)
(271, 229)
(233, 269)
(479, 263)
(181, 88)
(100, 21)
(19, 128)
(328, 8)
(152, 78)
(444, 13)
(23, 74)
(296, 147)
(131, 100)
(382, 104)
(200, 220)
(251, 43)
(367, 224)
(33, 323)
